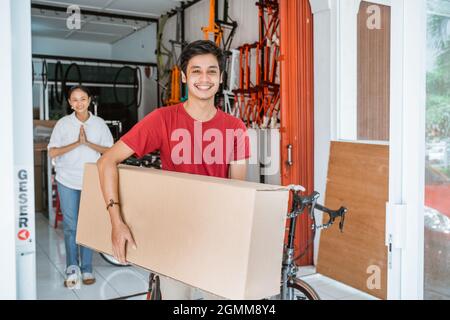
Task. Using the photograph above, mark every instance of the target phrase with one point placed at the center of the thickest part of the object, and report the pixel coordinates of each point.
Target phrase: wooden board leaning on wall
(357, 179)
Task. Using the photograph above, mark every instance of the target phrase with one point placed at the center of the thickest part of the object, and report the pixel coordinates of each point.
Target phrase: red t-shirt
(190, 146)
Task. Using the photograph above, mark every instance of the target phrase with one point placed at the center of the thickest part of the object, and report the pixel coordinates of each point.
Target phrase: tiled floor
(113, 282)
(329, 289)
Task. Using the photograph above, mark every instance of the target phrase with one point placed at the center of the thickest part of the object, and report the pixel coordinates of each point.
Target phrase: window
(437, 162)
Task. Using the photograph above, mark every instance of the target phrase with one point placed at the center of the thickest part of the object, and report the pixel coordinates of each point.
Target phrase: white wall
(245, 13)
(149, 94)
(139, 46)
(17, 264)
(23, 148)
(325, 93)
(8, 288)
(71, 48)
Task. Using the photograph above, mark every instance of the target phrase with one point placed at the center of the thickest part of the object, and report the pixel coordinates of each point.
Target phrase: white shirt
(70, 166)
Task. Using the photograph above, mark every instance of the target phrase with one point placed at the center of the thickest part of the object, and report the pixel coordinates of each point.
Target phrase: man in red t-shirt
(193, 137)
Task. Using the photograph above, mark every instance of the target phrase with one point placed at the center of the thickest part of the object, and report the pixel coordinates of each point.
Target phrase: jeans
(70, 203)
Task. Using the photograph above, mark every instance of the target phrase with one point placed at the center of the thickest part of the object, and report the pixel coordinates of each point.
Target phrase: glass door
(437, 155)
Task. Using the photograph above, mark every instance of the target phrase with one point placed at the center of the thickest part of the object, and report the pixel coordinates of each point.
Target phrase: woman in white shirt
(77, 138)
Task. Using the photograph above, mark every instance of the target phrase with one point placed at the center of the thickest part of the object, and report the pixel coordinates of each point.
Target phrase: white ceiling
(49, 23)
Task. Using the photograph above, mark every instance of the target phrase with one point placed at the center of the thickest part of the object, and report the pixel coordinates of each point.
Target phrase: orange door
(297, 112)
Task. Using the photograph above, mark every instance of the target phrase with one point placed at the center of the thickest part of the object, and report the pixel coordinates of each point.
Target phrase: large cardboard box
(222, 236)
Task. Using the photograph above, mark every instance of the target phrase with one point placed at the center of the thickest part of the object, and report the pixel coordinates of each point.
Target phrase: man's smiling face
(203, 76)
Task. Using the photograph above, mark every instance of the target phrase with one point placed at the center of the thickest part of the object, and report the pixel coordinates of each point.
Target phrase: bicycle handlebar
(332, 215)
(299, 203)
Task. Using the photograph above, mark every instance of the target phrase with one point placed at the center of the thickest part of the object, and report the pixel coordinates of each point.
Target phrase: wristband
(111, 204)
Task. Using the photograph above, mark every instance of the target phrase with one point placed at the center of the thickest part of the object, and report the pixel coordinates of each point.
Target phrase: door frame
(405, 207)
(7, 225)
(17, 236)
(335, 88)
(407, 150)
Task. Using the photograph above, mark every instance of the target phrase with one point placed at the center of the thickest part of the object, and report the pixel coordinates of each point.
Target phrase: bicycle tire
(138, 87)
(135, 86)
(155, 290)
(305, 289)
(44, 74)
(59, 96)
(64, 81)
(113, 261)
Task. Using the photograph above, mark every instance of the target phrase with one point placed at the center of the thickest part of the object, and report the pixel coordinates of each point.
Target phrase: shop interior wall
(244, 12)
(139, 46)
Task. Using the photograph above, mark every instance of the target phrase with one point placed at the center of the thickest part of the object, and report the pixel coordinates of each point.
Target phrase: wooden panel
(357, 179)
(45, 123)
(373, 73)
(39, 172)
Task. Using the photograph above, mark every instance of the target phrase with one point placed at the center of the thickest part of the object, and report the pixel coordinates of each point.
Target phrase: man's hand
(109, 182)
(120, 235)
(238, 170)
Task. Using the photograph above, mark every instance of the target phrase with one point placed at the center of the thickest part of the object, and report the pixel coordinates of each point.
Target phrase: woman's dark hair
(82, 88)
(201, 47)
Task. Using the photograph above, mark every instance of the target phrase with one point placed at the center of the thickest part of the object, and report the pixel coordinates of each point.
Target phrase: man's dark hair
(200, 47)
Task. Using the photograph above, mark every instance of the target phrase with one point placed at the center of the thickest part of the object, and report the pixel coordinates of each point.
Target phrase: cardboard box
(222, 236)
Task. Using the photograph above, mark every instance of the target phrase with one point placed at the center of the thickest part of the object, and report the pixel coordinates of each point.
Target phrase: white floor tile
(316, 281)
(124, 280)
(324, 296)
(140, 297)
(100, 290)
(306, 271)
(56, 253)
(52, 288)
(50, 280)
(61, 267)
(144, 273)
(44, 273)
(333, 289)
(56, 294)
(359, 297)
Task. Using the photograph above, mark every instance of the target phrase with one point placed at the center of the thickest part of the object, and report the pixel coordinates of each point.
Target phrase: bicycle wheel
(112, 260)
(303, 291)
(155, 288)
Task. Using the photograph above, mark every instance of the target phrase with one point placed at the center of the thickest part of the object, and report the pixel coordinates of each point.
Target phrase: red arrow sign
(23, 234)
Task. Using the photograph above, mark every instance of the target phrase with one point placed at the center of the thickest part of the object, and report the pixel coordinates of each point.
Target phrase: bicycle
(291, 287)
